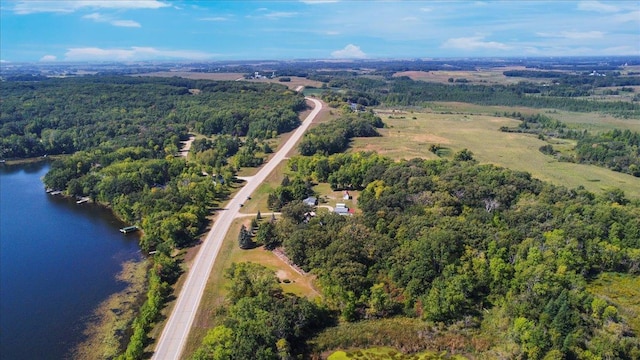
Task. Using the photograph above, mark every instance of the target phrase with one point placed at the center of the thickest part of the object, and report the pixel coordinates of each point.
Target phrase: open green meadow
(409, 135)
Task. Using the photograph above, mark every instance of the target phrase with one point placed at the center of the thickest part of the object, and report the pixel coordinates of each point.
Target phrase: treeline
(334, 136)
(403, 91)
(603, 79)
(458, 242)
(61, 116)
(535, 124)
(618, 150)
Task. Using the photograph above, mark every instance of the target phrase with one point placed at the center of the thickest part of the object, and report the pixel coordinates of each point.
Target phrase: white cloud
(125, 23)
(630, 16)
(410, 18)
(24, 7)
(97, 17)
(48, 58)
(314, 2)
(264, 13)
(597, 6)
(280, 14)
(215, 18)
(135, 53)
(349, 52)
(473, 43)
(574, 35)
(331, 32)
(426, 9)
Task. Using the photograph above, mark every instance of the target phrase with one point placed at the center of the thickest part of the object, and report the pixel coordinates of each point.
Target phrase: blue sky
(120, 30)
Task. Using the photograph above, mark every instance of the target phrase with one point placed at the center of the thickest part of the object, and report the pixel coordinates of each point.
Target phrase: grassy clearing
(623, 290)
(407, 335)
(258, 200)
(210, 313)
(409, 138)
(108, 330)
(385, 353)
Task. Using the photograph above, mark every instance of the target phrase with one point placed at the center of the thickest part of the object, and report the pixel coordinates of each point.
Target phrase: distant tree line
(402, 91)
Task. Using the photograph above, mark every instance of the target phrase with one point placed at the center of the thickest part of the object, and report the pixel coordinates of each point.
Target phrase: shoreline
(106, 333)
(32, 160)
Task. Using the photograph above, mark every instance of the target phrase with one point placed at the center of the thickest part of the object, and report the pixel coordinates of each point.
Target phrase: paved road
(176, 331)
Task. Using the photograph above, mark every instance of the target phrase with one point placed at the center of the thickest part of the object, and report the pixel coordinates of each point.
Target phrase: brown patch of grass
(408, 335)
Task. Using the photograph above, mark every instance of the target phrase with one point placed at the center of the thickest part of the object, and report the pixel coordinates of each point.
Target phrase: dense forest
(461, 243)
(61, 116)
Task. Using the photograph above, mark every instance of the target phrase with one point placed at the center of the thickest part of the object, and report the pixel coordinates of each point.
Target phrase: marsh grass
(108, 331)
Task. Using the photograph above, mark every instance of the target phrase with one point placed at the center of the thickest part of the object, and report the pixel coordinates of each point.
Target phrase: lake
(58, 262)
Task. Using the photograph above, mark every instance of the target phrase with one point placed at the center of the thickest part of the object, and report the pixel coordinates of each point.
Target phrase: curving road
(176, 331)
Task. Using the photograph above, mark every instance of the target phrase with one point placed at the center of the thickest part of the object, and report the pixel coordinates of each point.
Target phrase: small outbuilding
(311, 201)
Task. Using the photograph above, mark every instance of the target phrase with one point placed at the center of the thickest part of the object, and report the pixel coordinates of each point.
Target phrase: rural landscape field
(307, 180)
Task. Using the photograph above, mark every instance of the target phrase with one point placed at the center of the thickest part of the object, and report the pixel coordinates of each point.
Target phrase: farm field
(492, 75)
(406, 138)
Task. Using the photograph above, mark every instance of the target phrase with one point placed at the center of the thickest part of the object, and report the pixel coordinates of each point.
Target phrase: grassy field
(623, 290)
(258, 200)
(589, 120)
(409, 134)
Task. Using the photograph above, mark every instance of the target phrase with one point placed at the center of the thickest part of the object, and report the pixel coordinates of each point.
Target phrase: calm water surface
(58, 261)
